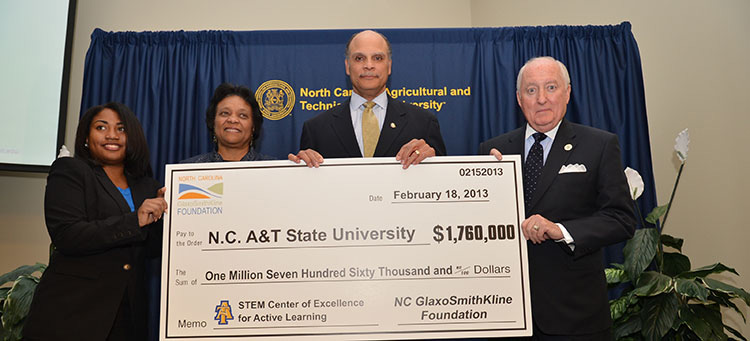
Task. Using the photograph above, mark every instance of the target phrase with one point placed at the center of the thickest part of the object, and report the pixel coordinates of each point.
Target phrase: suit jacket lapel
(556, 158)
(139, 191)
(515, 143)
(110, 188)
(342, 127)
(395, 122)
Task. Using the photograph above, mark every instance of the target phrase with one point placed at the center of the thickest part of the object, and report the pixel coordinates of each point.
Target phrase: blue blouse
(128, 197)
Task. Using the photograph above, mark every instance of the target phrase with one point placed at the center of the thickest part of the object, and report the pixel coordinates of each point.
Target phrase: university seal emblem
(276, 99)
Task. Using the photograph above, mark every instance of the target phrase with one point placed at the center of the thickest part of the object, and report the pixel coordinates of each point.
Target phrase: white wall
(695, 67)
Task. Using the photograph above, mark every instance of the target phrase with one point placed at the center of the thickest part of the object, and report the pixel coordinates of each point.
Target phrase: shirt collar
(381, 100)
(550, 134)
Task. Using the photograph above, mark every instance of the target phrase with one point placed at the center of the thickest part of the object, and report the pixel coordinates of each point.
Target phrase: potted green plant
(16, 290)
(666, 298)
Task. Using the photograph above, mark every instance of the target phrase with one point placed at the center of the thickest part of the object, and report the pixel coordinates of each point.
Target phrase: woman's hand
(151, 210)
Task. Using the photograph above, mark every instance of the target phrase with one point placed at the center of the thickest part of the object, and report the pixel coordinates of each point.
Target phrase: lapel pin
(568, 147)
(393, 125)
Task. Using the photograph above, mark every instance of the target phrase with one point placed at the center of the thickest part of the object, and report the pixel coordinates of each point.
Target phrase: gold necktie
(370, 130)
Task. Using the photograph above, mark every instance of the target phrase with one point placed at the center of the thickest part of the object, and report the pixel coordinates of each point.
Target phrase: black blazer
(568, 288)
(332, 135)
(99, 256)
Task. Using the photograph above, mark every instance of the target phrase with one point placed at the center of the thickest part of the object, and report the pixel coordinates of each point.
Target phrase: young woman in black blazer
(102, 209)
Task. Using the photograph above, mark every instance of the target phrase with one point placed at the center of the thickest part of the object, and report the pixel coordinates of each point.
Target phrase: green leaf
(3, 295)
(639, 251)
(3, 334)
(704, 321)
(21, 271)
(726, 288)
(16, 305)
(656, 213)
(652, 283)
(691, 288)
(707, 270)
(675, 243)
(615, 276)
(677, 324)
(628, 326)
(658, 315)
(617, 266)
(735, 333)
(725, 299)
(675, 263)
(618, 307)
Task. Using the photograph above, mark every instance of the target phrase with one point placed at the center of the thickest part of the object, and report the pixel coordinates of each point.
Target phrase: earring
(86, 144)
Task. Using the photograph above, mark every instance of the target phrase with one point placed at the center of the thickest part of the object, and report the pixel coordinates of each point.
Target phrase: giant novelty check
(355, 249)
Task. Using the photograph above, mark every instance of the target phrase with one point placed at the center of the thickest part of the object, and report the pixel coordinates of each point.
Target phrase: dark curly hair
(225, 90)
(137, 157)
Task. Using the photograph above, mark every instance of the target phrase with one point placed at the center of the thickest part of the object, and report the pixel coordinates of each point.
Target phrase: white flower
(64, 152)
(681, 145)
(635, 182)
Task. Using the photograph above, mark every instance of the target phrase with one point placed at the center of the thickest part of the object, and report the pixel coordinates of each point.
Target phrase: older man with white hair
(577, 202)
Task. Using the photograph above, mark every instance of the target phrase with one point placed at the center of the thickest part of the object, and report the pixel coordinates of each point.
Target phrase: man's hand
(496, 153)
(538, 229)
(414, 152)
(309, 156)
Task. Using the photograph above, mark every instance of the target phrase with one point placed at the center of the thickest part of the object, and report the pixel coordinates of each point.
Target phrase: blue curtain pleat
(167, 79)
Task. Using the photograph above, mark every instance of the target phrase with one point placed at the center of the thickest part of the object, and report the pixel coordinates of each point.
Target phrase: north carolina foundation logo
(223, 312)
(199, 195)
(276, 99)
(187, 191)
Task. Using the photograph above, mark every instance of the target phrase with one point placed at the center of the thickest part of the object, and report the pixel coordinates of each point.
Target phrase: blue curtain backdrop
(465, 76)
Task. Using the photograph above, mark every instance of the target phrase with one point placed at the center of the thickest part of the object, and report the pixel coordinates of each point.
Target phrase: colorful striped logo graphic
(187, 191)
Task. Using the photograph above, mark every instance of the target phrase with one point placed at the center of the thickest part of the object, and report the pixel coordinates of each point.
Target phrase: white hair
(563, 70)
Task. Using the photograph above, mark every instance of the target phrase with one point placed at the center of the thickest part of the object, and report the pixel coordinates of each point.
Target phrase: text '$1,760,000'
(475, 233)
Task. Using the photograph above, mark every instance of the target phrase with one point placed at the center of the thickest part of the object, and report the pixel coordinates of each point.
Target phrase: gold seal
(276, 99)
